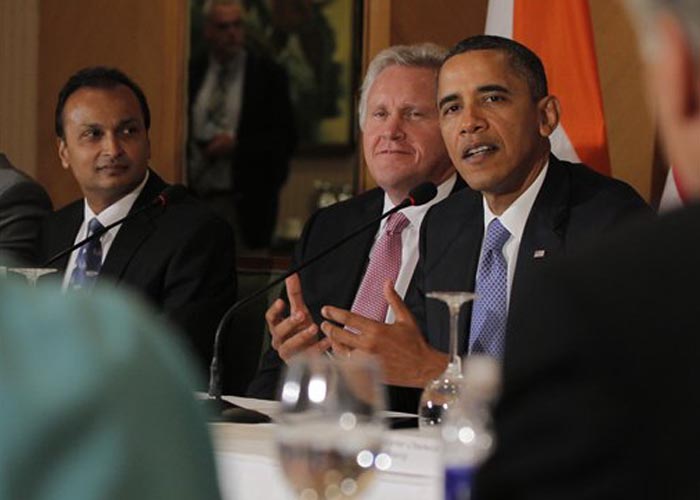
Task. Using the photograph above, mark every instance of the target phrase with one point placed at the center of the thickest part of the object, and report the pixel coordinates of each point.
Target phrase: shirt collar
(515, 216)
(118, 209)
(415, 214)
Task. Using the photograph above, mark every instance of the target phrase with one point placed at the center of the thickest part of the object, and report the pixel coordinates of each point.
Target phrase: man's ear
(549, 110)
(63, 152)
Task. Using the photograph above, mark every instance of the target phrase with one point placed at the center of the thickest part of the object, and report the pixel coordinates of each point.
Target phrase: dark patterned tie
(384, 264)
(216, 109)
(89, 260)
(490, 310)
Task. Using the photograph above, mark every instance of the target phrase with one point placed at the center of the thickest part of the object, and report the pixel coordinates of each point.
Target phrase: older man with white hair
(403, 148)
(600, 396)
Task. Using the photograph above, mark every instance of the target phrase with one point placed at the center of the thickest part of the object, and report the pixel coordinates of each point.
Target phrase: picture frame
(318, 42)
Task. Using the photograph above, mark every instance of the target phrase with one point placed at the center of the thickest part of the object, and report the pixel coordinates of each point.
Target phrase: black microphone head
(422, 193)
(171, 194)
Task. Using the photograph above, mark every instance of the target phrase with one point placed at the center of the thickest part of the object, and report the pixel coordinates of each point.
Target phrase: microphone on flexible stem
(169, 195)
(227, 411)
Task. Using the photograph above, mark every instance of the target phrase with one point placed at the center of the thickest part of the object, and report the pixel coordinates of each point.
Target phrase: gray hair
(210, 4)
(644, 11)
(422, 55)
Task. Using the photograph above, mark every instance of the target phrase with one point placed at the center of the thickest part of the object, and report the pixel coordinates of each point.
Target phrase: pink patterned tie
(384, 264)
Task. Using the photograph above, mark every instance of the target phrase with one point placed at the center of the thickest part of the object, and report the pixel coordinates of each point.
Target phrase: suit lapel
(64, 228)
(454, 238)
(133, 233)
(544, 235)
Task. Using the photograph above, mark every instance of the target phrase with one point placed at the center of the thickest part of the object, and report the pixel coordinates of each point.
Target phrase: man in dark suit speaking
(600, 392)
(180, 257)
(525, 206)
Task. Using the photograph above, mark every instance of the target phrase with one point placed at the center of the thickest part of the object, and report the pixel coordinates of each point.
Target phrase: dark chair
(247, 336)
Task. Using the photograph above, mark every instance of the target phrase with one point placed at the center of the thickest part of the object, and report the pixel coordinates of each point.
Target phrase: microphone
(227, 411)
(169, 195)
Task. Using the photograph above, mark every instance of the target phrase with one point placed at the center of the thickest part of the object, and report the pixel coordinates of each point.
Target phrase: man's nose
(111, 145)
(393, 128)
(472, 120)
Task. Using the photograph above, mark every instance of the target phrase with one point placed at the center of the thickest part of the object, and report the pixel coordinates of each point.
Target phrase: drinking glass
(32, 274)
(441, 392)
(329, 436)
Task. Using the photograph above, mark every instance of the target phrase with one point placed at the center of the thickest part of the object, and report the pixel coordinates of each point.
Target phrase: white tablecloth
(247, 462)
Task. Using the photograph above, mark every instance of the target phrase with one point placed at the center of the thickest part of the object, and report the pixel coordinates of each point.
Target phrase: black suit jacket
(600, 396)
(180, 258)
(265, 141)
(23, 203)
(574, 207)
(334, 279)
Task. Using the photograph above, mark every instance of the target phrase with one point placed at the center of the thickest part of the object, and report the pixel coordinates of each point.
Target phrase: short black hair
(100, 77)
(522, 59)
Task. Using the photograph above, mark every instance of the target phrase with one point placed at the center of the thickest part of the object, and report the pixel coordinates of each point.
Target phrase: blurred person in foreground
(403, 148)
(180, 257)
(23, 203)
(242, 131)
(97, 402)
(600, 396)
(525, 207)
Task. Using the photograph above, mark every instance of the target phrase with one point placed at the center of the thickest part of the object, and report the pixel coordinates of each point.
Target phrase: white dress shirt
(216, 175)
(410, 236)
(514, 219)
(110, 214)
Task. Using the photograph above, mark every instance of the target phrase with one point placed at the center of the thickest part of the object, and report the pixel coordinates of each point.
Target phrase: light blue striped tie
(490, 311)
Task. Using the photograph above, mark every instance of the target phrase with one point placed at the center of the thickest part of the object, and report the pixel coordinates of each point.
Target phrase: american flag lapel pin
(539, 254)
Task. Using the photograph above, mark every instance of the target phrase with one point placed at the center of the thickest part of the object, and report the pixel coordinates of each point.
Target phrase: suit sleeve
(22, 208)
(200, 283)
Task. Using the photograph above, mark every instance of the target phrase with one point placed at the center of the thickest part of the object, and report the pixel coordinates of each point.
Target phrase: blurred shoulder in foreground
(97, 401)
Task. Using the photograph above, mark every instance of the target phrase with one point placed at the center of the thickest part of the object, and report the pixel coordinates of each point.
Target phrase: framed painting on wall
(318, 43)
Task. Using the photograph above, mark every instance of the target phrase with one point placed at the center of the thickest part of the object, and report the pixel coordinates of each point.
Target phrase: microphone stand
(226, 411)
(168, 195)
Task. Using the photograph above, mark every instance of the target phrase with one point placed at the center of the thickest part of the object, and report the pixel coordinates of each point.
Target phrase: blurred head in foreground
(96, 402)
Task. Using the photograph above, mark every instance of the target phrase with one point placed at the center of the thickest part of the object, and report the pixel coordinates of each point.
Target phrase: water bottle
(466, 432)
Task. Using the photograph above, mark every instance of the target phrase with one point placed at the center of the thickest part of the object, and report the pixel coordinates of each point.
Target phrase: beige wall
(19, 50)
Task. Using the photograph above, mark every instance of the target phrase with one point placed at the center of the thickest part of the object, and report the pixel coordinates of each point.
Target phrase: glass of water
(329, 436)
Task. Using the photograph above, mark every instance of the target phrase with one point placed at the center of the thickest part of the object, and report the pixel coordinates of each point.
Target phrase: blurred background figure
(23, 203)
(97, 402)
(242, 130)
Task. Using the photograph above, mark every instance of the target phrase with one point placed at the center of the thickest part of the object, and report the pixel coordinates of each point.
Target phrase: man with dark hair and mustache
(524, 207)
(181, 257)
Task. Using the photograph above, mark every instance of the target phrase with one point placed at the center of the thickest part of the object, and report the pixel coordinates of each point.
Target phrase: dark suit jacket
(600, 398)
(334, 279)
(574, 207)
(265, 142)
(180, 258)
(23, 203)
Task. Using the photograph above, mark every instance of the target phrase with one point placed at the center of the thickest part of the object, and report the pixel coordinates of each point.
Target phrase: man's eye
(379, 114)
(131, 130)
(415, 114)
(92, 134)
(448, 110)
(493, 98)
